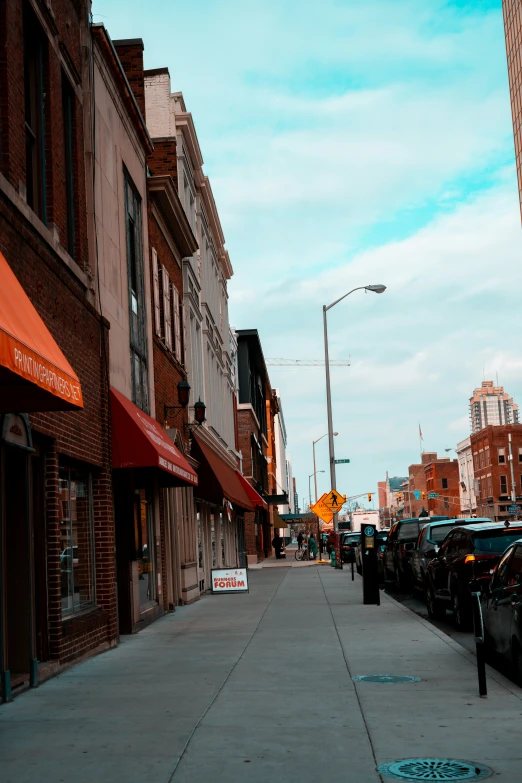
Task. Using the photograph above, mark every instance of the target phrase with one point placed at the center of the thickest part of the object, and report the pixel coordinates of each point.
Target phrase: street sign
(335, 500)
(322, 510)
(514, 509)
(341, 461)
(433, 495)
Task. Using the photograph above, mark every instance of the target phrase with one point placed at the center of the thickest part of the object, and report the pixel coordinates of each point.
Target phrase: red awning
(225, 476)
(255, 497)
(138, 441)
(34, 373)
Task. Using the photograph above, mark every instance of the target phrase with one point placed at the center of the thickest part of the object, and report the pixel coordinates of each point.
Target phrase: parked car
(348, 543)
(382, 535)
(427, 545)
(468, 552)
(501, 608)
(399, 546)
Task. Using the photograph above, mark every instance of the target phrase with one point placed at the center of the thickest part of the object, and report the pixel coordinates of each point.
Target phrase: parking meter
(370, 567)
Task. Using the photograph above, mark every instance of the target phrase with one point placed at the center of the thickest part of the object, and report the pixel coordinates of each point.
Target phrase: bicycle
(302, 554)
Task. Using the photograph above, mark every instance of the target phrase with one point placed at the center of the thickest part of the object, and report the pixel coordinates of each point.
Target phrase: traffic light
(423, 495)
(369, 497)
(399, 497)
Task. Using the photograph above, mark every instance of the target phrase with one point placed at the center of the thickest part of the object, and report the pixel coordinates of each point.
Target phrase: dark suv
(399, 546)
(467, 553)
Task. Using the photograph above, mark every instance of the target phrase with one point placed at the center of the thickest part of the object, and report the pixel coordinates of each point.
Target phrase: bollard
(353, 575)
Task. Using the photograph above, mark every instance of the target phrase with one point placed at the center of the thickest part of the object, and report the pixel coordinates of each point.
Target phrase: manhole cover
(435, 769)
(390, 678)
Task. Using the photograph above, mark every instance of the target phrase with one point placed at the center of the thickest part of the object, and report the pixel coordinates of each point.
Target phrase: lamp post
(315, 470)
(314, 474)
(377, 289)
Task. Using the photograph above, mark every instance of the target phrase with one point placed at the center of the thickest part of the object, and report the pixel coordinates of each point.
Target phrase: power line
(306, 362)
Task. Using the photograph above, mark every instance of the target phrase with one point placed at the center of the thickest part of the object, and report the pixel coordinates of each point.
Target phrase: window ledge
(50, 237)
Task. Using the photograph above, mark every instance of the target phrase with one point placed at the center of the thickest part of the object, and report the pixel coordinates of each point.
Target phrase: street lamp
(314, 474)
(315, 470)
(377, 289)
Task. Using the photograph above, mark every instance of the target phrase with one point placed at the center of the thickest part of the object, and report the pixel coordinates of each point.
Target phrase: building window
(76, 539)
(475, 462)
(481, 457)
(138, 334)
(503, 485)
(486, 455)
(501, 456)
(444, 483)
(68, 112)
(167, 317)
(490, 487)
(34, 115)
(520, 454)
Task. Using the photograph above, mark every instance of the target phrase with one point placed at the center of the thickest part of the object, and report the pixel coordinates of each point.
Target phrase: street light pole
(315, 469)
(378, 289)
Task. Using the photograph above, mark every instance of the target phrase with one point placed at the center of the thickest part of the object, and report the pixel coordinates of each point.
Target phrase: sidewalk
(258, 687)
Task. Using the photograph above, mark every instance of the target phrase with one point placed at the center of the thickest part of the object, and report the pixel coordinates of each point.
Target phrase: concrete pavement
(259, 686)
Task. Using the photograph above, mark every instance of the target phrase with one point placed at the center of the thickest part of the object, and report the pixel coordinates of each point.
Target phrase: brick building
(256, 409)
(220, 497)
(442, 477)
(414, 498)
(512, 10)
(497, 465)
(54, 462)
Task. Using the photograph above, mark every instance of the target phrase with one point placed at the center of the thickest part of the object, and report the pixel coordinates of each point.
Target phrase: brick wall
(164, 159)
(157, 99)
(417, 483)
(437, 475)
(490, 464)
(62, 61)
(63, 299)
(130, 53)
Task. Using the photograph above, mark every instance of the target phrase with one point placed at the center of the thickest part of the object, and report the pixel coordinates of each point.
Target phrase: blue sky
(351, 143)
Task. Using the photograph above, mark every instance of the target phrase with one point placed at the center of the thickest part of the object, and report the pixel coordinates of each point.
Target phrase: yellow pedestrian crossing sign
(322, 510)
(334, 500)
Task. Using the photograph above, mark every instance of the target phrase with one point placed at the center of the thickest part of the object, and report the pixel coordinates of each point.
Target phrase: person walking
(277, 543)
(312, 546)
(300, 540)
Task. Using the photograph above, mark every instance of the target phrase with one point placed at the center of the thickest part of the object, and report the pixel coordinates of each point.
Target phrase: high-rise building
(491, 405)
(512, 10)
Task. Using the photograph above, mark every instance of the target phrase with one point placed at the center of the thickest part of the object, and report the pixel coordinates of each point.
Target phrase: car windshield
(496, 541)
(409, 530)
(351, 539)
(439, 533)
(382, 535)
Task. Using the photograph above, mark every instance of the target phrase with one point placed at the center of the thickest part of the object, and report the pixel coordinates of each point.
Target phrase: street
(264, 679)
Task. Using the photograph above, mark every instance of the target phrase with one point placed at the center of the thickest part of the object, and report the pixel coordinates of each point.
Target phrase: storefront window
(200, 538)
(213, 538)
(144, 542)
(76, 539)
(222, 528)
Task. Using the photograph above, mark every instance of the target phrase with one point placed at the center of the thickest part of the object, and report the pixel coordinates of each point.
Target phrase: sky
(349, 144)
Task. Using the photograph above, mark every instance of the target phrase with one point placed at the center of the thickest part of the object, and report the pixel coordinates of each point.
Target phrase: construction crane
(306, 362)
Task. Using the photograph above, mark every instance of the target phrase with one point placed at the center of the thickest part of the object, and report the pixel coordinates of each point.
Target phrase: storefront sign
(229, 580)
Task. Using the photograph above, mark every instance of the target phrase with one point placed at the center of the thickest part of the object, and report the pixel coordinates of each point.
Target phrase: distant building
(468, 499)
(442, 480)
(491, 405)
(497, 465)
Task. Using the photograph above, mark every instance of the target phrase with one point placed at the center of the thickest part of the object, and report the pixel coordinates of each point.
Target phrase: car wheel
(436, 609)
(460, 614)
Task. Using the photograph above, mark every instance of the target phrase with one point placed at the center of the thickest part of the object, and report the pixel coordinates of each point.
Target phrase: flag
(420, 433)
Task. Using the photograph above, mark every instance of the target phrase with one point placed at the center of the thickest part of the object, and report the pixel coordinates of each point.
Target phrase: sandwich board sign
(229, 580)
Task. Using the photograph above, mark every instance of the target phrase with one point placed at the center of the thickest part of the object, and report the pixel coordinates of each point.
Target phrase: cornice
(185, 123)
(161, 189)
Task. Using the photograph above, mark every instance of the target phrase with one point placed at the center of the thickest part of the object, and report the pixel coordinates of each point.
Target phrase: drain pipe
(512, 469)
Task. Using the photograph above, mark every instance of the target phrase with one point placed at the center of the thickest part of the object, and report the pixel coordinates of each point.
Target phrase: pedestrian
(312, 546)
(277, 543)
(330, 546)
(300, 540)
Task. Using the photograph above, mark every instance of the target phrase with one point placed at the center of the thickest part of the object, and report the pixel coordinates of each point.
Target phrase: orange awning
(255, 497)
(139, 441)
(34, 373)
